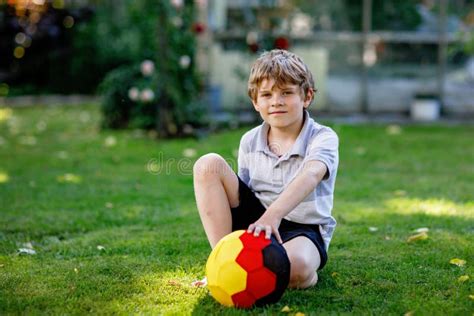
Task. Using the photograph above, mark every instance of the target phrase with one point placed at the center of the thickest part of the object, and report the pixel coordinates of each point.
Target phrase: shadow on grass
(299, 300)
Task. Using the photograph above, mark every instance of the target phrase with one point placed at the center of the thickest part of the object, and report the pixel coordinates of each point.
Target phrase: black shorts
(250, 209)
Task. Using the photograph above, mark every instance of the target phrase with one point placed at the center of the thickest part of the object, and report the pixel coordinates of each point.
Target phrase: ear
(256, 106)
(309, 98)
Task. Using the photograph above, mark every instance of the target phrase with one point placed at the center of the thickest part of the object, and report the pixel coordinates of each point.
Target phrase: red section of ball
(251, 242)
(261, 282)
(250, 259)
(266, 267)
(243, 299)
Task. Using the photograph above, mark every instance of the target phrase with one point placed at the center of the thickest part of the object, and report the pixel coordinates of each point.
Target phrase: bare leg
(305, 259)
(216, 188)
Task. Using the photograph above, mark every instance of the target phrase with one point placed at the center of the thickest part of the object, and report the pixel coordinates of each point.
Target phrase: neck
(281, 140)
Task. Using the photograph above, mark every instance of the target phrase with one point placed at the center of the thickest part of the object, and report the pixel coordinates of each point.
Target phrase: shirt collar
(298, 148)
(262, 138)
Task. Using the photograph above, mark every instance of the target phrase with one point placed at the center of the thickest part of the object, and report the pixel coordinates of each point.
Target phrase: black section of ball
(276, 260)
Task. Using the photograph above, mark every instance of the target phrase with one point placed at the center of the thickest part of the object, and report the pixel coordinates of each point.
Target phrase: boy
(286, 171)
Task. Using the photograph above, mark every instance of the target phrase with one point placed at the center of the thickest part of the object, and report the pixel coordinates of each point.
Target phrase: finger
(257, 231)
(277, 236)
(268, 232)
(251, 228)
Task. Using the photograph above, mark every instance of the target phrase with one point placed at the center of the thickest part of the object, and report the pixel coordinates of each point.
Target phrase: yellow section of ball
(225, 276)
(219, 295)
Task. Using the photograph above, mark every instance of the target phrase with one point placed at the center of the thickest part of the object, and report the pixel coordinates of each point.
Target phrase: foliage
(74, 59)
(394, 15)
(120, 32)
(168, 40)
(119, 111)
(127, 239)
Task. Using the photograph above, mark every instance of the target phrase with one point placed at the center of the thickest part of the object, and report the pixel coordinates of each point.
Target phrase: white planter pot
(425, 110)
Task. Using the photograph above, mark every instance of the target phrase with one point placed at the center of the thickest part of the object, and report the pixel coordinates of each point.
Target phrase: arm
(305, 182)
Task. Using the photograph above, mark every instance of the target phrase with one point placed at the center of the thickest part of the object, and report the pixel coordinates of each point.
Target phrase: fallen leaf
(400, 192)
(174, 283)
(394, 129)
(4, 178)
(410, 313)
(76, 270)
(420, 236)
(200, 283)
(299, 314)
(2, 265)
(471, 297)
(388, 238)
(109, 205)
(28, 140)
(62, 155)
(69, 178)
(41, 126)
(463, 278)
(110, 141)
(334, 274)
(373, 229)
(5, 114)
(189, 152)
(360, 151)
(286, 309)
(421, 230)
(100, 247)
(152, 134)
(27, 251)
(458, 262)
(84, 117)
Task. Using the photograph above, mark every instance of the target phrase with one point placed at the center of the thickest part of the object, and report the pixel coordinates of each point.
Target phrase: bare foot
(200, 283)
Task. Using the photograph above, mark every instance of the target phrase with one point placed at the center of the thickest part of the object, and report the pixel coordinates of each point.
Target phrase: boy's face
(281, 107)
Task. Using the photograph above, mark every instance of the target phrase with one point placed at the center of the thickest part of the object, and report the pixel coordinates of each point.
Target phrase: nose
(277, 99)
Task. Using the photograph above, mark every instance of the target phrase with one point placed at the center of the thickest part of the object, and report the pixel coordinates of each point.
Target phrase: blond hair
(282, 66)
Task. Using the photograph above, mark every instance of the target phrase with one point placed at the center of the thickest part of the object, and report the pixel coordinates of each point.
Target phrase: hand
(267, 224)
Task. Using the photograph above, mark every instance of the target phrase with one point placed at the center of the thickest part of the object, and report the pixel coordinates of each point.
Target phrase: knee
(303, 274)
(207, 165)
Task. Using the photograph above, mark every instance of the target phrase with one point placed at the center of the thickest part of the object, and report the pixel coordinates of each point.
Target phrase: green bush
(116, 105)
(167, 98)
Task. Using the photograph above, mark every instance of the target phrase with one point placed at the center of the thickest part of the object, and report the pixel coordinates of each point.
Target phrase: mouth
(277, 112)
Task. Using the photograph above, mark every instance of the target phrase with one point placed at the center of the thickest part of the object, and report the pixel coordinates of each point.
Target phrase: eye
(287, 92)
(265, 94)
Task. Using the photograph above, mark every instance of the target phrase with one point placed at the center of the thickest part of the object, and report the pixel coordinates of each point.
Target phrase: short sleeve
(324, 147)
(242, 162)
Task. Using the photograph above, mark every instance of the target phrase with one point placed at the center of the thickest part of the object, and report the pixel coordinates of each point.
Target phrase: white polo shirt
(267, 175)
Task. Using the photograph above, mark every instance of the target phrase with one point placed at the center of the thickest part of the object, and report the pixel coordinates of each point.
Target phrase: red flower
(199, 28)
(253, 47)
(281, 43)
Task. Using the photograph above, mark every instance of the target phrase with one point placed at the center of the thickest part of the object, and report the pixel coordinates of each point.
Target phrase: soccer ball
(244, 270)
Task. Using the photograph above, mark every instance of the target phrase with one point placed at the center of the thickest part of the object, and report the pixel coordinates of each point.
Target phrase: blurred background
(178, 65)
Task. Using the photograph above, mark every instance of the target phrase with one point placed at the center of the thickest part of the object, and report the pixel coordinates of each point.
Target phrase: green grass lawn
(112, 218)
